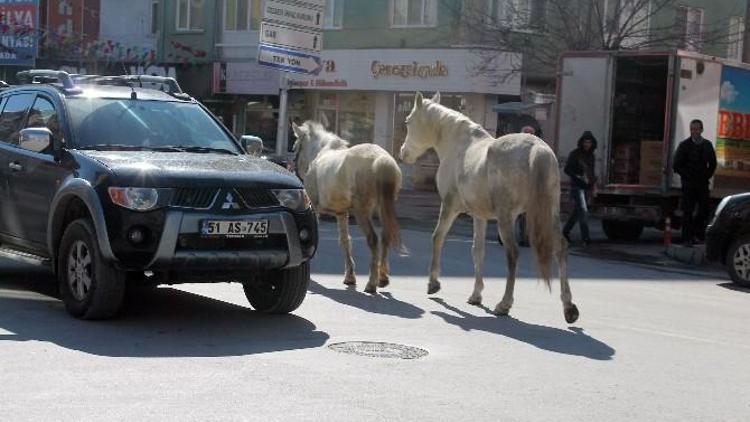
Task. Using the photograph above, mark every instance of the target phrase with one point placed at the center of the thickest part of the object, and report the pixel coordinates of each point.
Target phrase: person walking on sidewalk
(695, 162)
(580, 167)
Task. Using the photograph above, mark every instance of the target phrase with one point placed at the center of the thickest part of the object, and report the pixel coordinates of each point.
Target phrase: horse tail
(388, 184)
(543, 216)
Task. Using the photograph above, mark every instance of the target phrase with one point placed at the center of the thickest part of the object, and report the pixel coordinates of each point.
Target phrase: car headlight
(137, 199)
(721, 206)
(295, 199)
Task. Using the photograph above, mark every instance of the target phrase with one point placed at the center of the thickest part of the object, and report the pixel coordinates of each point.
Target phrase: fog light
(304, 235)
(137, 235)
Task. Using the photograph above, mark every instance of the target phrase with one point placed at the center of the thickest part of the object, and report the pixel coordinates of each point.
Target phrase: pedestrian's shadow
(381, 303)
(570, 342)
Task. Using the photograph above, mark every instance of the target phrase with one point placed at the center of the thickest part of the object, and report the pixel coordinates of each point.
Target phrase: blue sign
(289, 60)
(19, 25)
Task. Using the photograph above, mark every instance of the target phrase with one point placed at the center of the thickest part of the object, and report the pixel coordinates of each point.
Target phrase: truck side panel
(699, 84)
(584, 104)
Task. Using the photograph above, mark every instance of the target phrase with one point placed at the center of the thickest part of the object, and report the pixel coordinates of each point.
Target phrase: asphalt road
(651, 344)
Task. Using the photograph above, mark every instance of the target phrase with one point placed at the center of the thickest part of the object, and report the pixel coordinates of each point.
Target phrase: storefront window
(350, 115)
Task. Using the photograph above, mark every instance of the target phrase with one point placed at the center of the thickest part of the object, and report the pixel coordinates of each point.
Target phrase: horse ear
(324, 120)
(436, 98)
(296, 129)
(418, 99)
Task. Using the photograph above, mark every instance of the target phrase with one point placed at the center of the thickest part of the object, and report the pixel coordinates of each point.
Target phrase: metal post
(746, 36)
(283, 127)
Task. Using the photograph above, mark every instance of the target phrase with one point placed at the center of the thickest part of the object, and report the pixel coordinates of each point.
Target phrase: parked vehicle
(117, 181)
(728, 237)
(639, 105)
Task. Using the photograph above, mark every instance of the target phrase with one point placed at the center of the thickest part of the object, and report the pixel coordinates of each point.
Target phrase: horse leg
(445, 221)
(570, 310)
(505, 226)
(364, 221)
(385, 269)
(477, 251)
(346, 245)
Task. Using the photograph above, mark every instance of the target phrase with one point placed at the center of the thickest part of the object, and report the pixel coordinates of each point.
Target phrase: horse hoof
(384, 282)
(433, 287)
(571, 314)
(371, 289)
(475, 300)
(501, 311)
(350, 281)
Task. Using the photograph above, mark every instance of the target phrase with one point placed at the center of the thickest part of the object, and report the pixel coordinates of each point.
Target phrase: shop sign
(438, 69)
(245, 78)
(20, 19)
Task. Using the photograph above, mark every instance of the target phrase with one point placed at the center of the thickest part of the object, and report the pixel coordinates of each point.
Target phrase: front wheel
(280, 291)
(90, 287)
(738, 261)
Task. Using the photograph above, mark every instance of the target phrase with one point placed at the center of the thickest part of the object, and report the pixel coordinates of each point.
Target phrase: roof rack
(47, 76)
(69, 81)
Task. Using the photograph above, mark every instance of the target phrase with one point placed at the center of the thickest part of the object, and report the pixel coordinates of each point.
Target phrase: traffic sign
(291, 14)
(289, 60)
(285, 36)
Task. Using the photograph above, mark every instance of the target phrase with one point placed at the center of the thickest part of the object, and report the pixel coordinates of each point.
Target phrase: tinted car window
(12, 117)
(141, 123)
(43, 114)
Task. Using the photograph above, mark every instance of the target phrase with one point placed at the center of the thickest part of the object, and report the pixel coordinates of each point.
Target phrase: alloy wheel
(79, 270)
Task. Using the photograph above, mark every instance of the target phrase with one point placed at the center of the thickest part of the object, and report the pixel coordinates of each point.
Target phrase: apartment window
(190, 15)
(407, 13)
(736, 33)
(517, 13)
(155, 16)
(334, 14)
(689, 24)
(634, 22)
(237, 15)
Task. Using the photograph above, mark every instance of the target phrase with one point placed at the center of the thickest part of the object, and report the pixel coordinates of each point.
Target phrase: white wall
(127, 22)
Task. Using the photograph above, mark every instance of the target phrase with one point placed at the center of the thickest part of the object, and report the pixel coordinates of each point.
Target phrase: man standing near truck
(695, 162)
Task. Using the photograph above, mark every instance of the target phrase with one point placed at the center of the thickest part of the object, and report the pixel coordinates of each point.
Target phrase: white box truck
(639, 105)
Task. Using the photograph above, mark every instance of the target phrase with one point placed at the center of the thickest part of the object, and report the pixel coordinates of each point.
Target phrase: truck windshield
(141, 124)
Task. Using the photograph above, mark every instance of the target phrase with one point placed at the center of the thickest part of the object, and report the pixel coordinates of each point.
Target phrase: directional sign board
(291, 14)
(288, 60)
(291, 36)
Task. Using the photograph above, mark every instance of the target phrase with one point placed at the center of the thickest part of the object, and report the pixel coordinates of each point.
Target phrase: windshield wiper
(115, 147)
(204, 150)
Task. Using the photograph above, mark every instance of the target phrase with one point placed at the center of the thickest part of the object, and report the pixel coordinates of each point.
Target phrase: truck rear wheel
(622, 230)
(279, 292)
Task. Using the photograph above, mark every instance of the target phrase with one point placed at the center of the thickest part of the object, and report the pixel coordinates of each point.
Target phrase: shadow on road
(382, 303)
(570, 342)
(162, 322)
(734, 287)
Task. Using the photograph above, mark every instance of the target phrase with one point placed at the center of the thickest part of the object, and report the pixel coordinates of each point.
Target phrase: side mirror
(37, 139)
(252, 145)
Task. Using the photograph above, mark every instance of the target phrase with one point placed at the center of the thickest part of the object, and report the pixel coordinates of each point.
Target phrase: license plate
(235, 228)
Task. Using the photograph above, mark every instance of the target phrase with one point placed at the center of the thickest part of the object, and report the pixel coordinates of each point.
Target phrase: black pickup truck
(119, 181)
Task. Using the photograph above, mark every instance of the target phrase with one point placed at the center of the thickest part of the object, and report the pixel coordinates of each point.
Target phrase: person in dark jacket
(695, 162)
(580, 168)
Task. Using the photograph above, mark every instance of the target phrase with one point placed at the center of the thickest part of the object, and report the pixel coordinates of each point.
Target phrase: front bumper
(173, 253)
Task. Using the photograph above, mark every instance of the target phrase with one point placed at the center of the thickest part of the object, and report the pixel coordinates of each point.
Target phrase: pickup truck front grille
(258, 198)
(194, 197)
(198, 242)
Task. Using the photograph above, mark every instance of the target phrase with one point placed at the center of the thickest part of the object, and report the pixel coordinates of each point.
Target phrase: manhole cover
(375, 349)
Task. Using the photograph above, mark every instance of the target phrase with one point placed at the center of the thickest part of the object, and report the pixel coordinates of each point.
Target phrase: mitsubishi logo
(230, 203)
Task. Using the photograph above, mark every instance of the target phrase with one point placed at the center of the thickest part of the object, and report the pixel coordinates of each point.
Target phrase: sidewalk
(419, 210)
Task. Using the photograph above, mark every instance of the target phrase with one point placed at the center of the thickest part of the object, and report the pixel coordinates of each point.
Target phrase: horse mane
(446, 116)
(326, 139)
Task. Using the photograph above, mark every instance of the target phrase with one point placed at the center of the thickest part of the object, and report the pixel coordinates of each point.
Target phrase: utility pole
(746, 35)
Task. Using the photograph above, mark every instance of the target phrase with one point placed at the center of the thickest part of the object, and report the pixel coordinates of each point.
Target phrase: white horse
(491, 179)
(360, 179)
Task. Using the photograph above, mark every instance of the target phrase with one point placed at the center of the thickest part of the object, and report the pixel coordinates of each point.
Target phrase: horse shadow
(160, 322)
(570, 342)
(382, 303)
(734, 287)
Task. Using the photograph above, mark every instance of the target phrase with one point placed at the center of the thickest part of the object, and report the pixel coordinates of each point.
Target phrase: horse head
(421, 131)
(302, 148)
